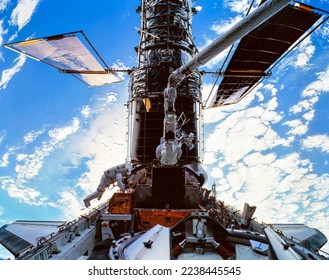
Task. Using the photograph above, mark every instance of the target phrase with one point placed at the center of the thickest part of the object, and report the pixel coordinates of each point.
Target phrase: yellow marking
(27, 43)
(304, 7)
(148, 104)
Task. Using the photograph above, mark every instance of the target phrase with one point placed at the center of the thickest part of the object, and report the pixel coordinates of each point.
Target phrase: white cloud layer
(320, 142)
(98, 143)
(241, 151)
(4, 4)
(224, 25)
(2, 31)
(4, 161)
(297, 127)
(2, 136)
(8, 74)
(21, 192)
(70, 204)
(103, 142)
(304, 110)
(241, 6)
(32, 135)
(99, 146)
(59, 134)
(29, 165)
(23, 12)
(305, 52)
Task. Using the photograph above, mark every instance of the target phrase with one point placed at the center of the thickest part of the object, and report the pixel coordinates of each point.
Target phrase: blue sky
(57, 135)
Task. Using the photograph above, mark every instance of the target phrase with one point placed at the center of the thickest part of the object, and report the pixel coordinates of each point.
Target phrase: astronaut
(110, 177)
(169, 151)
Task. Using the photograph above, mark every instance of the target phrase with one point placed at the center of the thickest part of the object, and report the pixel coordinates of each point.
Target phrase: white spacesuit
(110, 177)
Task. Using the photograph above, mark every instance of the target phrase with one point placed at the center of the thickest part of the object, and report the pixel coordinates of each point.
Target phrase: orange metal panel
(121, 203)
(148, 218)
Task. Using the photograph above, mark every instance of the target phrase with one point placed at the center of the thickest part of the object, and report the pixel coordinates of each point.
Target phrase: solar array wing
(13, 243)
(259, 50)
(68, 54)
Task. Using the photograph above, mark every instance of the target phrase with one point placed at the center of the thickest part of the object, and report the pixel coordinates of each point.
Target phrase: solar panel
(67, 53)
(259, 50)
(13, 243)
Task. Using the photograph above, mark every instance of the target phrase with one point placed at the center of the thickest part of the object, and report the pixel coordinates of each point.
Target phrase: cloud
(13, 37)
(21, 157)
(94, 145)
(278, 186)
(4, 4)
(2, 33)
(241, 150)
(314, 89)
(320, 142)
(319, 86)
(59, 134)
(8, 74)
(238, 6)
(102, 144)
(4, 161)
(257, 135)
(23, 194)
(305, 52)
(2, 136)
(253, 125)
(309, 115)
(23, 12)
(30, 164)
(304, 105)
(224, 25)
(31, 136)
(297, 127)
(309, 98)
(85, 111)
(324, 31)
(70, 204)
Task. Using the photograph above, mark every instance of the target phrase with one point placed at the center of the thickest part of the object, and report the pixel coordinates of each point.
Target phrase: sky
(57, 135)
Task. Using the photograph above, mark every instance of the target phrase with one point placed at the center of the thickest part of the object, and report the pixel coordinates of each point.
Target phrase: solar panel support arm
(106, 71)
(237, 74)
